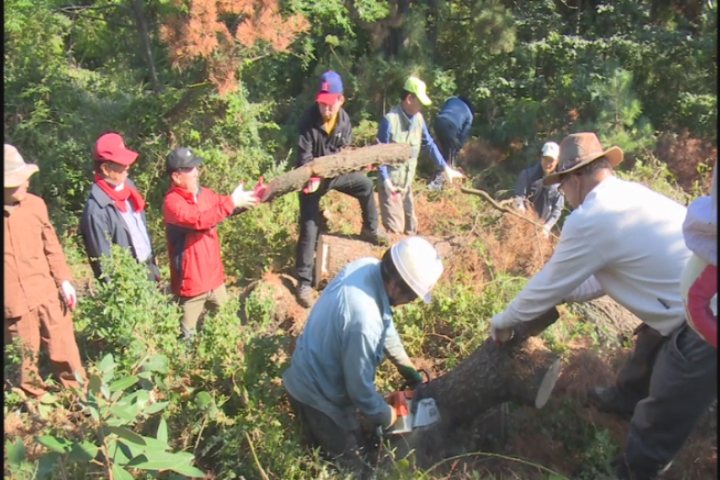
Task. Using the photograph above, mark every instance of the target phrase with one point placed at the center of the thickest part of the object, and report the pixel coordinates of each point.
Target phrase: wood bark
(331, 166)
(518, 370)
(145, 40)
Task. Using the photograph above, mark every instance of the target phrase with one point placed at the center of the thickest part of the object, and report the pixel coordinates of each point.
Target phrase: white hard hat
(418, 263)
(551, 149)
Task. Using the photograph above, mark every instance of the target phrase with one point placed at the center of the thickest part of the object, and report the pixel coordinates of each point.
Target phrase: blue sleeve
(430, 148)
(557, 208)
(394, 348)
(383, 136)
(359, 366)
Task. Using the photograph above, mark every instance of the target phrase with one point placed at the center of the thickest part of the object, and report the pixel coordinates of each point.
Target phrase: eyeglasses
(562, 180)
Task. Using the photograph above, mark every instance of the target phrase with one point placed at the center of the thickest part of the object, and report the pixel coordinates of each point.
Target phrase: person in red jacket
(191, 214)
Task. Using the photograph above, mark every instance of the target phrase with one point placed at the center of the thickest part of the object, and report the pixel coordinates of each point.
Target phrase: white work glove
(520, 204)
(244, 198)
(69, 294)
(312, 185)
(391, 188)
(451, 174)
(546, 231)
(500, 329)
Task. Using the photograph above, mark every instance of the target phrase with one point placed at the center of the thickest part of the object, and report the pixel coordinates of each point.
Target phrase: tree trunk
(331, 166)
(518, 370)
(145, 40)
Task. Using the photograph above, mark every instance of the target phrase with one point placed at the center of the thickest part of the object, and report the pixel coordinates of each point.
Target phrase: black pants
(670, 382)
(153, 270)
(447, 138)
(337, 444)
(355, 184)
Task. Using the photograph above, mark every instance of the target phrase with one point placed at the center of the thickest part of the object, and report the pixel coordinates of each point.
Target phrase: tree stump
(331, 166)
(521, 369)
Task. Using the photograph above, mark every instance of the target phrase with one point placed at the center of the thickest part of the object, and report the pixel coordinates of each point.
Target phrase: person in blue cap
(324, 130)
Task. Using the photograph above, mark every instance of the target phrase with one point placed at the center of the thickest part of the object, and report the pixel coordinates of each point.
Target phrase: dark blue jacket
(459, 114)
(101, 219)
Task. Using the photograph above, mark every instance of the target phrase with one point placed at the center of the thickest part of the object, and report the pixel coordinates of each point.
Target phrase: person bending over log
(324, 130)
(332, 370)
(626, 241)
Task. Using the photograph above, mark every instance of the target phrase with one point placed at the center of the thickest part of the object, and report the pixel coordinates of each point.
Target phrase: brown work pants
(193, 308)
(398, 211)
(51, 325)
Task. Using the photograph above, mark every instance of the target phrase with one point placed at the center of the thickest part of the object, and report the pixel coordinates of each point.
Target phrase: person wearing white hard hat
(548, 201)
(332, 371)
(37, 281)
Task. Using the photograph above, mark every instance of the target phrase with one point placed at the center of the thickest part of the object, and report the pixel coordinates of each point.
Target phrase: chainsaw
(425, 414)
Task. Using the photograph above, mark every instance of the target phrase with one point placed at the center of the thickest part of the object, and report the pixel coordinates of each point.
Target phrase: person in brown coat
(35, 271)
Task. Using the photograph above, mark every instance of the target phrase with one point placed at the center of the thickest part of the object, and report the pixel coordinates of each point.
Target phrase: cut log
(331, 166)
(333, 252)
(521, 369)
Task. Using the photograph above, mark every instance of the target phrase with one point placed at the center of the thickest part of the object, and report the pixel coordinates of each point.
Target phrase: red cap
(110, 148)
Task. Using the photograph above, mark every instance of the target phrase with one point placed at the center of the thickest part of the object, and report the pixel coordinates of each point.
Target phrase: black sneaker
(378, 237)
(608, 400)
(305, 295)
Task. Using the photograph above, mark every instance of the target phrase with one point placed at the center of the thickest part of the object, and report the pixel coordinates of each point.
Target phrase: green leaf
(47, 465)
(128, 435)
(56, 444)
(158, 363)
(189, 471)
(123, 413)
(159, 461)
(119, 473)
(105, 391)
(156, 407)
(203, 400)
(123, 383)
(83, 452)
(94, 384)
(162, 431)
(107, 363)
(48, 399)
(16, 453)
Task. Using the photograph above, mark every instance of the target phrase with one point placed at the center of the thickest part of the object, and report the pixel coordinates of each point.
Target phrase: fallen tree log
(518, 370)
(331, 166)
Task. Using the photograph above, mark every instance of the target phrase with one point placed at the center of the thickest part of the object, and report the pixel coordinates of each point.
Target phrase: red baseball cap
(111, 148)
(331, 88)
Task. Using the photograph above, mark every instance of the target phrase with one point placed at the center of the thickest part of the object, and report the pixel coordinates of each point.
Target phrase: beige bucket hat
(578, 150)
(16, 170)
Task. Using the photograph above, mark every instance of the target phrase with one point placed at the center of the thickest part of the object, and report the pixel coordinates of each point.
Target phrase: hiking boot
(608, 400)
(305, 295)
(378, 237)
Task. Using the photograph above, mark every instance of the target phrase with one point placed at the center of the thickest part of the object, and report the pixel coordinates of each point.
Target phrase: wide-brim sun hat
(16, 171)
(578, 150)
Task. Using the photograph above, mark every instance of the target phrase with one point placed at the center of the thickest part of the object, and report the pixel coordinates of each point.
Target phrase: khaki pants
(193, 307)
(51, 325)
(398, 211)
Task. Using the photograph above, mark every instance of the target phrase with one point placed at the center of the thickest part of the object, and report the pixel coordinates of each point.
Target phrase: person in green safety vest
(405, 124)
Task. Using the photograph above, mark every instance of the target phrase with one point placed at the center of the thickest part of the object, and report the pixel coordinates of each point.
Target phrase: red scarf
(121, 196)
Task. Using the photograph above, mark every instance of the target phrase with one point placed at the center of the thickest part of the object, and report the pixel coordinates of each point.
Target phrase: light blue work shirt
(336, 357)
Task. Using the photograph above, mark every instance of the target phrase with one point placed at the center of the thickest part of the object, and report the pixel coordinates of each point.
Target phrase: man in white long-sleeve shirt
(625, 240)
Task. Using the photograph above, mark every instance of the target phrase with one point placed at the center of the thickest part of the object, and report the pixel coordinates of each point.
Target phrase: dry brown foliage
(479, 154)
(683, 155)
(204, 33)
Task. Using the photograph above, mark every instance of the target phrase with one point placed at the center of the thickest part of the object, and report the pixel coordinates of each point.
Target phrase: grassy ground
(246, 429)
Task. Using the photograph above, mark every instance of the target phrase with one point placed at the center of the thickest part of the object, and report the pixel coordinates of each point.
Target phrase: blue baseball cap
(331, 88)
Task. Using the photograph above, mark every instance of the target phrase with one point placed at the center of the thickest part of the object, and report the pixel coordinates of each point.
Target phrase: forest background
(230, 79)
